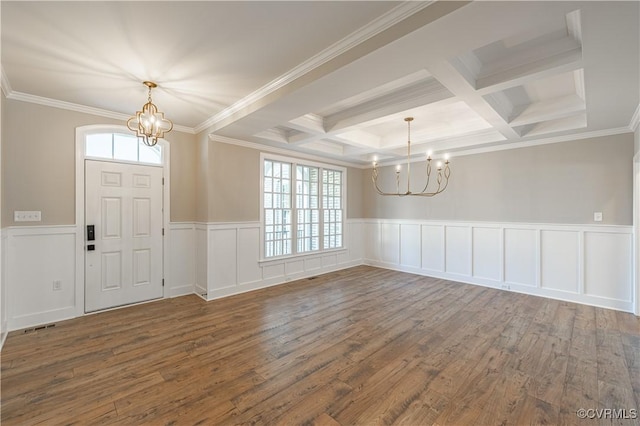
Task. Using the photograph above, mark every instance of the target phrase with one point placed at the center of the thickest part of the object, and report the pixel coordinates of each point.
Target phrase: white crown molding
(54, 103)
(397, 14)
(635, 120)
(358, 164)
(282, 151)
(4, 81)
(547, 141)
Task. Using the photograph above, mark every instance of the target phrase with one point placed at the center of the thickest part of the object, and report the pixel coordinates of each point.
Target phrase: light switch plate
(27, 216)
(597, 216)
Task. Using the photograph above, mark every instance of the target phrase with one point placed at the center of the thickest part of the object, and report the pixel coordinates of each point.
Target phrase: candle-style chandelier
(442, 178)
(149, 124)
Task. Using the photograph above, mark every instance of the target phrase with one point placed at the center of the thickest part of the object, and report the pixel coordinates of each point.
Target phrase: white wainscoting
(579, 263)
(584, 264)
(36, 257)
(4, 317)
(182, 259)
(228, 259)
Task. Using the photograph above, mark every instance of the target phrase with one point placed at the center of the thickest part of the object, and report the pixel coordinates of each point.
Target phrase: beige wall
(234, 183)
(183, 176)
(39, 164)
(232, 188)
(556, 183)
(356, 178)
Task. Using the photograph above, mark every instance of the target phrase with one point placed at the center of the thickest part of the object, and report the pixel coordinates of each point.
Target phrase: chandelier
(442, 178)
(149, 124)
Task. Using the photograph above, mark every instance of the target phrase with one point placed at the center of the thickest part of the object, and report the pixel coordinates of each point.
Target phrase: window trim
(294, 249)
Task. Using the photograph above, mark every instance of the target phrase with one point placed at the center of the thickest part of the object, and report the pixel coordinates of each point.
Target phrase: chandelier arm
(428, 176)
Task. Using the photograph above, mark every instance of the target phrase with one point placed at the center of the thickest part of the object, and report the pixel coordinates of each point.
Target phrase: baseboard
(600, 302)
(272, 282)
(181, 290)
(40, 318)
(3, 336)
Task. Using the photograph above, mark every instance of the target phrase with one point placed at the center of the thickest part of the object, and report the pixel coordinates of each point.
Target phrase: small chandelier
(149, 124)
(442, 178)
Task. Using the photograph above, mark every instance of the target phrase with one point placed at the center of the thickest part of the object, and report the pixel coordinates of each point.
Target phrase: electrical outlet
(597, 216)
(57, 285)
(506, 287)
(27, 216)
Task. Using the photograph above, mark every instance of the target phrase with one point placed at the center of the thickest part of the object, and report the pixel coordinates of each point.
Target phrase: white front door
(123, 263)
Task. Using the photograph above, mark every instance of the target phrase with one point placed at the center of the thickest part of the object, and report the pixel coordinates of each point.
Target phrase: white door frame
(81, 133)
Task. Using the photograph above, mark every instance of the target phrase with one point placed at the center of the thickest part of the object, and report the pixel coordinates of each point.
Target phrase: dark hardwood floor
(359, 346)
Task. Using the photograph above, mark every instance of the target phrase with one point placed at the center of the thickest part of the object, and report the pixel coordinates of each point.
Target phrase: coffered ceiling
(336, 79)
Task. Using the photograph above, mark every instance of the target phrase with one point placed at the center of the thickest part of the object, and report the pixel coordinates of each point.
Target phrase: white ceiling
(337, 78)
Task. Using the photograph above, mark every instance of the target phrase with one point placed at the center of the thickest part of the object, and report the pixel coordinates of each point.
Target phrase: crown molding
(54, 103)
(394, 16)
(635, 120)
(535, 142)
(360, 164)
(288, 152)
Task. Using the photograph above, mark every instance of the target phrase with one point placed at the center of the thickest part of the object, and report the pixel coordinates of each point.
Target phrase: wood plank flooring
(359, 346)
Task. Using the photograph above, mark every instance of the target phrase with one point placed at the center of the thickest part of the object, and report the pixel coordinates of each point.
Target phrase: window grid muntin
(307, 209)
(333, 219)
(277, 208)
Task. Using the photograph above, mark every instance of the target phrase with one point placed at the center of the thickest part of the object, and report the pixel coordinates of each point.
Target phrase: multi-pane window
(119, 146)
(277, 208)
(332, 205)
(307, 209)
(305, 217)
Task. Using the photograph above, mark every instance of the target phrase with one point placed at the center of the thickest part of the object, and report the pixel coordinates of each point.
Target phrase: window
(119, 146)
(277, 208)
(304, 217)
(332, 203)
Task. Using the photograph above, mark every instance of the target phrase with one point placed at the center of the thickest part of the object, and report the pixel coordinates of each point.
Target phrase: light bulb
(446, 157)
(429, 153)
(398, 167)
(439, 164)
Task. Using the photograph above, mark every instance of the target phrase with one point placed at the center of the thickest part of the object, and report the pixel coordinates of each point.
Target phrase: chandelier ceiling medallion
(149, 124)
(442, 178)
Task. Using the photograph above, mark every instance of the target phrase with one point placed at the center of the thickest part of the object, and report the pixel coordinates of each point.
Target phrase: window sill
(282, 259)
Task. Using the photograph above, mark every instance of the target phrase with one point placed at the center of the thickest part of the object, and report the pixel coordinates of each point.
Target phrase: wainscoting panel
(390, 243)
(249, 251)
(458, 250)
(410, 246)
(487, 253)
(38, 256)
(579, 263)
(433, 247)
(202, 266)
(372, 238)
(521, 256)
(4, 317)
(559, 255)
(182, 270)
(601, 274)
(234, 265)
(223, 258)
